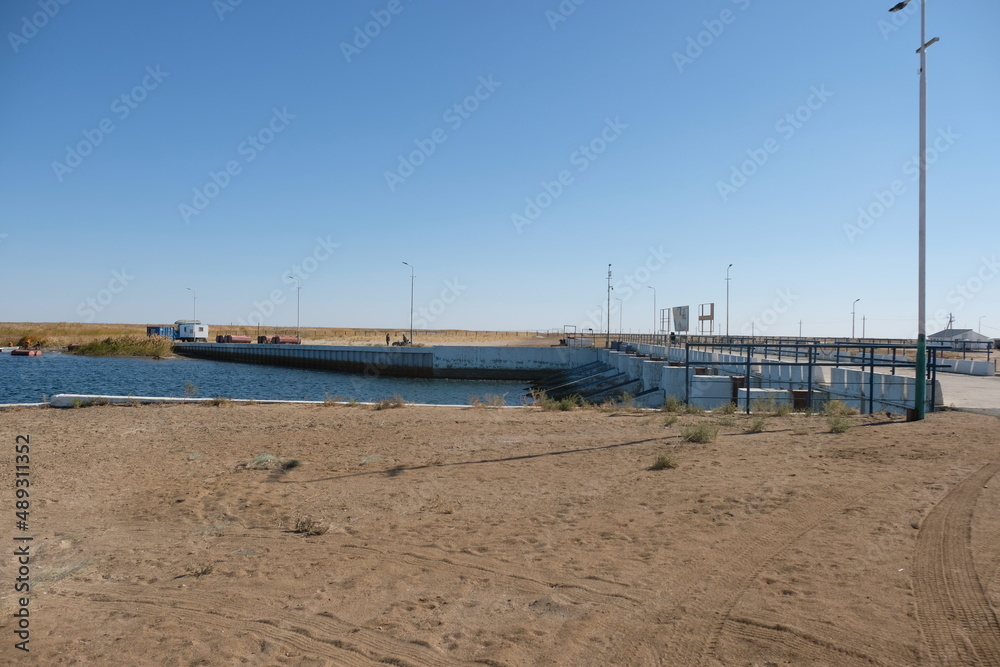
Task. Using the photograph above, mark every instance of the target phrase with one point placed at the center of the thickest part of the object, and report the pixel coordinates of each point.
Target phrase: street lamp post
(727, 298)
(607, 342)
(411, 301)
(852, 316)
(298, 291)
(654, 308)
(194, 303)
(921, 361)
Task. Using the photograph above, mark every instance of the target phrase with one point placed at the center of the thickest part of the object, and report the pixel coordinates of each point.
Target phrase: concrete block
(672, 381)
(711, 391)
(652, 374)
(633, 367)
(894, 394)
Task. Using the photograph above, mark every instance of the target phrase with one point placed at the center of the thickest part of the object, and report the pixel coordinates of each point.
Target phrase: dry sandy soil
(502, 537)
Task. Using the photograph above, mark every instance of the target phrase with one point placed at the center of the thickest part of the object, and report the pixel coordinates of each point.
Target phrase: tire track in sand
(957, 622)
(317, 635)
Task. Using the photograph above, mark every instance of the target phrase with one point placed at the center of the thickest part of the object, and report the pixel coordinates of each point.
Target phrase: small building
(191, 330)
(961, 339)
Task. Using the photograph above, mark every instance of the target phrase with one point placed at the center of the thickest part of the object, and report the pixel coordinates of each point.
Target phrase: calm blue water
(33, 379)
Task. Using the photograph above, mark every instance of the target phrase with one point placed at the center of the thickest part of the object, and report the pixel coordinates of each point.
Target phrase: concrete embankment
(445, 362)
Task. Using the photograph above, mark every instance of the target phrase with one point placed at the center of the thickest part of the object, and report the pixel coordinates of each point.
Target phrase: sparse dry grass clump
(700, 433)
(306, 525)
(757, 425)
(130, 345)
(670, 420)
(728, 421)
(565, 404)
(202, 570)
(270, 462)
(673, 405)
(91, 402)
(218, 402)
(770, 406)
(488, 401)
(838, 409)
(838, 423)
(664, 462)
(727, 409)
(389, 403)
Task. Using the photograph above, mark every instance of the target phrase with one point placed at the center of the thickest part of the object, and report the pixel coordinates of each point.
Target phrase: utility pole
(727, 298)
(298, 292)
(920, 406)
(863, 318)
(411, 301)
(607, 342)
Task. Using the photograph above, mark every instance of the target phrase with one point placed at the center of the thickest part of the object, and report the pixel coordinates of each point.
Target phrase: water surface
(34, 379)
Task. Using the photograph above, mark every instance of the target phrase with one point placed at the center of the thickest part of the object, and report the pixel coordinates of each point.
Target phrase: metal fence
(759, 355)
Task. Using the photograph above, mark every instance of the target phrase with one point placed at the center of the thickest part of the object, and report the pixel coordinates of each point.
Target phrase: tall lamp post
(194, 303)
(727, 298)
(621, 309)
(654, 308)
(298, 291)
(411, 301)
(921, 361)
(852, 316)
(607, 343)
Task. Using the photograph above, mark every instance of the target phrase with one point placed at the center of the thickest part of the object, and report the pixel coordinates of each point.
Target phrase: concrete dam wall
(443, 361)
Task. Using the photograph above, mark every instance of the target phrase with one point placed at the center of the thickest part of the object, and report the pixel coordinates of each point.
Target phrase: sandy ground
(501, 537)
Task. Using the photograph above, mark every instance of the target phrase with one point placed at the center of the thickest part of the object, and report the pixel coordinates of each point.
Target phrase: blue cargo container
(166, 331)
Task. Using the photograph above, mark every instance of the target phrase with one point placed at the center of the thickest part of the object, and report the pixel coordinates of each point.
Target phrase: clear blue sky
(152, 147)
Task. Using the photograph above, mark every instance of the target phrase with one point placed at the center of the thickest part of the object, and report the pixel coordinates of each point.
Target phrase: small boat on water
(8, 349)
(21, 352)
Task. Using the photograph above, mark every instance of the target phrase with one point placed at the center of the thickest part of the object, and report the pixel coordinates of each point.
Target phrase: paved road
(971, 393)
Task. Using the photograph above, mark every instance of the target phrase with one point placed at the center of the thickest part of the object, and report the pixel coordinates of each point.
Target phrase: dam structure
(531, 364)
(803, 376)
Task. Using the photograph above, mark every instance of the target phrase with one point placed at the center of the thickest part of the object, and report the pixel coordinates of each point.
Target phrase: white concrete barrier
(711, 391)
